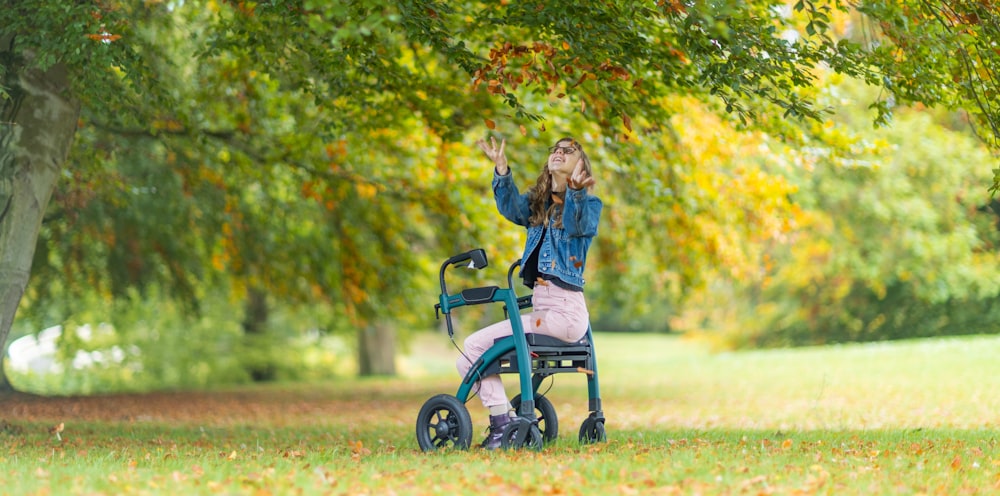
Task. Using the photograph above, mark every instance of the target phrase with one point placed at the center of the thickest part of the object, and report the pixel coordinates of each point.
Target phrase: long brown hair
(542, 206)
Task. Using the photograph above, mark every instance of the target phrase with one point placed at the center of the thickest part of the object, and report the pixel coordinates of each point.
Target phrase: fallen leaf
(57, 429)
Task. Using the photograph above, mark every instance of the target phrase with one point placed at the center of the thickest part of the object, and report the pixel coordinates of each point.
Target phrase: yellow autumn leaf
(366, 190)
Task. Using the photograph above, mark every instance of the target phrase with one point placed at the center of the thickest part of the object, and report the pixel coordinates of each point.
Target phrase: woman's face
(563, 158)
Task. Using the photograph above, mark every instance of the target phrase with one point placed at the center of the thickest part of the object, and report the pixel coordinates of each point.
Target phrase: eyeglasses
(566, 150)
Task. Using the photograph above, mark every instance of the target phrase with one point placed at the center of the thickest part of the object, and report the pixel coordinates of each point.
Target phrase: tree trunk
(5, 386)
(37, 125)
(377, 349)
(259, 357)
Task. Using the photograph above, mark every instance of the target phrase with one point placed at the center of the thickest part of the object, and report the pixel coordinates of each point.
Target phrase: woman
(561, 217)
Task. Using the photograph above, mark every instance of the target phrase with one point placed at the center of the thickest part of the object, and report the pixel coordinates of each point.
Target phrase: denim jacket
(564, 251)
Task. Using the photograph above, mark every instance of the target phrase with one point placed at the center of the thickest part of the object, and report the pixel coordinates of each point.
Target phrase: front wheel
(548, 422)
(592, 431)
(522, 434)
(444, 422)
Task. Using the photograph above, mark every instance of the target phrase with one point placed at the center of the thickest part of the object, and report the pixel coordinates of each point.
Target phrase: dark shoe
(498, 425)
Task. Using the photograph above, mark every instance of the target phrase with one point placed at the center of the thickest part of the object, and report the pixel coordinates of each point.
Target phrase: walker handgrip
(476, 258)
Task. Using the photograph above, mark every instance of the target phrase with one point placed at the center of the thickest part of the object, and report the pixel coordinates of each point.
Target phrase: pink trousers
(556, 312)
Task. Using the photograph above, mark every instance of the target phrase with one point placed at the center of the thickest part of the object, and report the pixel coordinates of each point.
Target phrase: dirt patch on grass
(265, 406)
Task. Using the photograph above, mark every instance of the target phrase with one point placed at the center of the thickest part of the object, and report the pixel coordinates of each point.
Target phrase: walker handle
(476, 258)
(510, 273)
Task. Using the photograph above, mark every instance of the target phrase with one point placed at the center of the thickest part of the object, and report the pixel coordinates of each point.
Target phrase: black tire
(592, 431)
(548, 421)
(444, 422)
(533, 439)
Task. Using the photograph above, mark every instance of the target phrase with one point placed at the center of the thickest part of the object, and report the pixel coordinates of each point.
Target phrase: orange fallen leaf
(490, 124)
(358, 449)
(56, 429)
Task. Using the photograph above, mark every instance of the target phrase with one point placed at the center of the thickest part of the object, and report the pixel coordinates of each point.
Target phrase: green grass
(900, 418)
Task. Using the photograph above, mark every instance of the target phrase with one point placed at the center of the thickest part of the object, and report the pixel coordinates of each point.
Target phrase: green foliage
(940, 52)
(897, 240)
(96, 42)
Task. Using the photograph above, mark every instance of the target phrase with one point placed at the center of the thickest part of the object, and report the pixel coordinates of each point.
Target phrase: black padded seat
(545, 340)
(549, 355)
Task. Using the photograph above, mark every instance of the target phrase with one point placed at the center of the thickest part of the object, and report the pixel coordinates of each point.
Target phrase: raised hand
(495, 153)
(579, 179)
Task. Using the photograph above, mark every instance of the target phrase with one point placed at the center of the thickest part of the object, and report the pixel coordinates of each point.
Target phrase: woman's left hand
(579, 179)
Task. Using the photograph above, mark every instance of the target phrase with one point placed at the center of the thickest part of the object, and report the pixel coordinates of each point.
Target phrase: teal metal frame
(512, 305)
(519, 344)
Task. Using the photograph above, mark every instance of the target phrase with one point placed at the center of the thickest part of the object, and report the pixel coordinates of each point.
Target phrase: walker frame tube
(520, 345)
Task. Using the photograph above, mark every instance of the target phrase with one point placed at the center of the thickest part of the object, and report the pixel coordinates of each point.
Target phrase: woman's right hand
(494, 153)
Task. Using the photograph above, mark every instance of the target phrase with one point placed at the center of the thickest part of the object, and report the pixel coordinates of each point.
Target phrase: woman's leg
(491, 391)
(559, 313)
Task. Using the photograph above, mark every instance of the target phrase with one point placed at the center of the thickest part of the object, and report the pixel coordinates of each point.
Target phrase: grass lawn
(916, 417)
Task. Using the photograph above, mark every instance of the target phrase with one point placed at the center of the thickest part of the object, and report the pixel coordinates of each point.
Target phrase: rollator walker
(444, 420)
